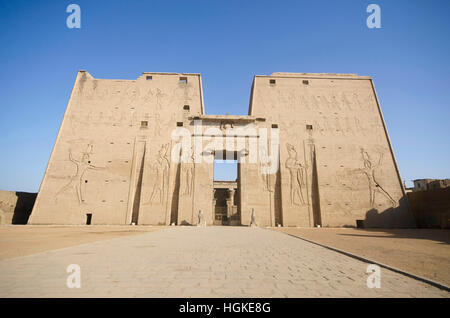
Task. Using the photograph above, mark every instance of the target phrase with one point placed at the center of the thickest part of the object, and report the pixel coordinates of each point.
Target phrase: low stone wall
(431, 208)
(16, 207)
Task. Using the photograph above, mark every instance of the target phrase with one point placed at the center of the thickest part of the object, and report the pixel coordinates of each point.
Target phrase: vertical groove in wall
(277, 197)
(137, 195)
(176, 195)
(317, 217)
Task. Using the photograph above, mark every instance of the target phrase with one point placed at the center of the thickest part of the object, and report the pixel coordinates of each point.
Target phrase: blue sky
(227, 42)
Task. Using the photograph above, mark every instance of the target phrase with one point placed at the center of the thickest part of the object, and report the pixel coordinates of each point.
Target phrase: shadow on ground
(438, 235)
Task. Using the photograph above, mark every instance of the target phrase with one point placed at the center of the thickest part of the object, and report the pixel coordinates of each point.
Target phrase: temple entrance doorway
(226, 207)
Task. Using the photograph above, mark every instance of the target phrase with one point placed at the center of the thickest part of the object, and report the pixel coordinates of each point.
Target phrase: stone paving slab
(202, 262)
(422, 252)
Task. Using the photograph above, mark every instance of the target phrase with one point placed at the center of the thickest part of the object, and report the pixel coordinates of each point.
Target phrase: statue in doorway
(201, 219)
(253, 219)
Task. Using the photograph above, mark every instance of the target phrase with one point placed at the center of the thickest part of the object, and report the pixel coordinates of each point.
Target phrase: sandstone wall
(112, 154)
(337, 164)
(112, 157)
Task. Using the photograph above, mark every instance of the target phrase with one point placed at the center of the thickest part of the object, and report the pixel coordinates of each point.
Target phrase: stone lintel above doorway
(227, 118)
(225, 185)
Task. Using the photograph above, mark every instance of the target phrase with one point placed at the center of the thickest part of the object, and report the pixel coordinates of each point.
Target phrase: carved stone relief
(75, 183)
(268, 179)
(375, 187)
(160, 170)
(297, 173)
(187, 176)
(160, 98)
(304, 103)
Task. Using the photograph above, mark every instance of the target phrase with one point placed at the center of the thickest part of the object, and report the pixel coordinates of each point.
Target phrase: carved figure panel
(297, 174)
(76, 181)
(375, 187)
(160, 170)
(187, 176)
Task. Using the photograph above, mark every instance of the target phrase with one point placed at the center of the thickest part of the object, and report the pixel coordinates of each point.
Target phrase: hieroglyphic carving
(319, 127)
(292, 100)
(188, 90)
(327, 126)
(335, 102)
(338, 126)
(117, 115)
(160, 98)
(324, 100)
(116, 96)
(374, 185)
(226, 125)
(358, 126)
(355, 101)
(348, 126)
(147, 97)
(296, 175)
(317, 102)
(268, 179)
(304, 103)
(160, 169)
(183, 93)
(334, 125)
(156, 125)
(75, 182)
(281, 98)
(345, 101)
(132, 95)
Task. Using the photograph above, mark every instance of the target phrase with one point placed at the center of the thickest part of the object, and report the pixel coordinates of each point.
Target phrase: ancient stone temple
(312, 151)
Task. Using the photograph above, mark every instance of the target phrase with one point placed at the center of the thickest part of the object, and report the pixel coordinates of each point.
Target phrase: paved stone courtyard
(202, 262)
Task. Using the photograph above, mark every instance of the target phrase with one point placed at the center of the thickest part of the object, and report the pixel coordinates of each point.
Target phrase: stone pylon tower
(330, 159)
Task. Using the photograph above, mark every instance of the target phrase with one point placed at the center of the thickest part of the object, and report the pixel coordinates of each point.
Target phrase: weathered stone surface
(112, 157)
(202, 262)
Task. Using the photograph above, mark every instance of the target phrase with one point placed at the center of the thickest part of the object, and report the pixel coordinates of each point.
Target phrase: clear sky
(228, 42)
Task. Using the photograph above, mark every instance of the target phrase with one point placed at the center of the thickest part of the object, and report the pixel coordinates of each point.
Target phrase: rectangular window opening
(179, 124)
(274, 125)
(309, 127)
(186, 107)
(183, 80)
(305, 82)
(144, 123)
(149, 78)
(272, 82)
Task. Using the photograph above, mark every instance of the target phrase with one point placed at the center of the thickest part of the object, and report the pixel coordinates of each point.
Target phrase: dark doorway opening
(88, 218)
